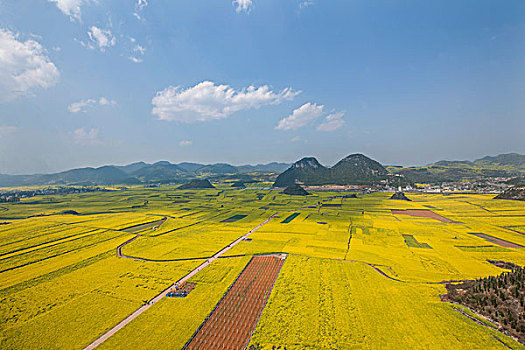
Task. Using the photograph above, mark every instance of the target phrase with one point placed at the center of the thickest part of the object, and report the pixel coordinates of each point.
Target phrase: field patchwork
(365, 272)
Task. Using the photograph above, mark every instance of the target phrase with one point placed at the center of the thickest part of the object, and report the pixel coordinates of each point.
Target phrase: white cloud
(24, 66)
(71, 8)
(102, 38)
(139, 49)
(301, 117)
(185, 143)
(6, 130)
(332, 122)
(82, 105)
(135, 59)
(105, 102)
(242, 5)
(305, 4)
(86, 138)
(296, 139)
(139, 6)
(207, 101)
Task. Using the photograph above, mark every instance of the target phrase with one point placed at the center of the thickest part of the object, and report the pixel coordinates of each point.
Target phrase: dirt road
(143, 308)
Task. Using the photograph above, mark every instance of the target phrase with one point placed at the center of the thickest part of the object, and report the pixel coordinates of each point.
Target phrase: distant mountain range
(355, 169)
(503, 165)
(137, 173)
(358, 169)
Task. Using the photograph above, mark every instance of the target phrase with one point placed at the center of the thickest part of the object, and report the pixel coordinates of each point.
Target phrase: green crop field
(356, 275)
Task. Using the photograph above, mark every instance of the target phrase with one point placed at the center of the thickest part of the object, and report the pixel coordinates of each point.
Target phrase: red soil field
(231, 324)
(421, 213)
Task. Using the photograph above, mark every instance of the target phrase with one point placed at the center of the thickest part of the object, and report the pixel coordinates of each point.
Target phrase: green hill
(196, 184)
(295, 190)
(356, 169)
(307, 171)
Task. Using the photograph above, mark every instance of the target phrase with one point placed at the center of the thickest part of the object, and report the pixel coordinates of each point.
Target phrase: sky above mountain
(93, 82)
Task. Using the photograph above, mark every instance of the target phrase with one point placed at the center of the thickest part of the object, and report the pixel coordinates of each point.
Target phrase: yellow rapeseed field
(357, 274)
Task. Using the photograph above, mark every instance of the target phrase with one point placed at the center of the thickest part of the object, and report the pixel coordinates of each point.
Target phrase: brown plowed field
(421, 213)
(498, 241)
(231, 323)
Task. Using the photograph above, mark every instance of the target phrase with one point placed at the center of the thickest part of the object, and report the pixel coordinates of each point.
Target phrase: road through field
(144, 307)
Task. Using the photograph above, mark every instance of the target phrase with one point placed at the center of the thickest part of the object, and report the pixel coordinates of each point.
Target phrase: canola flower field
(356, 275)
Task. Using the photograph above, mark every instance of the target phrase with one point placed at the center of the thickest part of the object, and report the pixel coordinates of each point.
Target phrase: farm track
(232, 322)
(143, 226)
(350, 228)
(146, 306)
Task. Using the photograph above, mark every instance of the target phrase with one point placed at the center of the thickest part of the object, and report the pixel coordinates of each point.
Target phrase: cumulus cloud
(71, 8)
(86, 137)
(101, 38)
(301, 117)
(24, 66)
(296, 139)
(6, 130)
(208, 101)
(83, 105)
(242, 5)
(185, 143)
(332, 122)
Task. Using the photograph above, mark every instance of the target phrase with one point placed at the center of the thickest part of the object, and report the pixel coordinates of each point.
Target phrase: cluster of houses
(487, 185)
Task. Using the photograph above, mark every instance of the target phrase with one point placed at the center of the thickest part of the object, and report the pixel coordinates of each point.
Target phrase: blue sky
(93, 82)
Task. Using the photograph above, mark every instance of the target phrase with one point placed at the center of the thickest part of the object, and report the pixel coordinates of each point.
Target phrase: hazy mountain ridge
(358, 169)
(136, 173)
(503, 165)
(354, 169)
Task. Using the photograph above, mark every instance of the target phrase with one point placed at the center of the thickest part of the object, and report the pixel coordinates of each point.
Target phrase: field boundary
(253, 272)
(143, 308)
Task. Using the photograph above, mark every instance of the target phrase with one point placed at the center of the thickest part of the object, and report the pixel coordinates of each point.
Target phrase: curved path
(144, 307)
